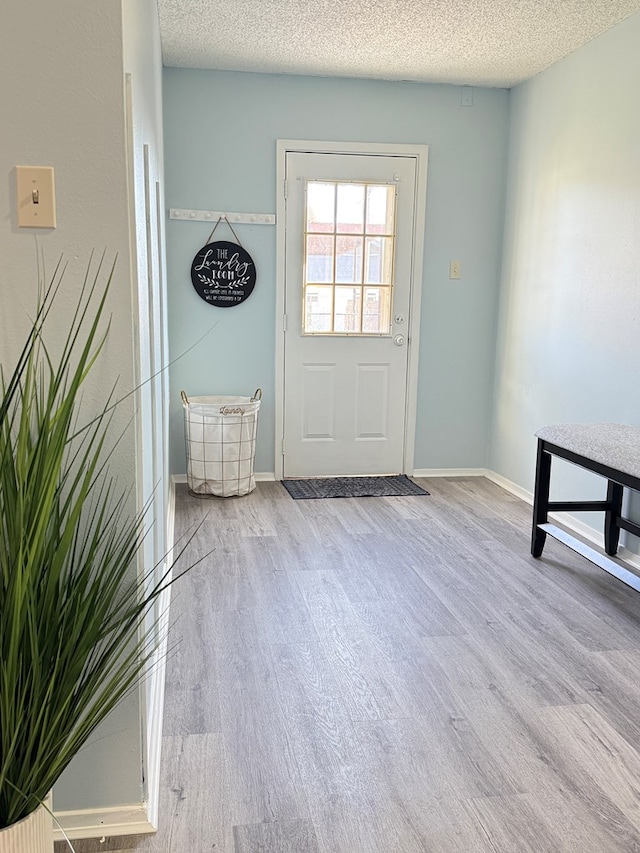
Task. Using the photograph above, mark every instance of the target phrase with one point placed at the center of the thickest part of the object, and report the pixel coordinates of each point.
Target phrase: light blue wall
(569, 319)
(220, 154)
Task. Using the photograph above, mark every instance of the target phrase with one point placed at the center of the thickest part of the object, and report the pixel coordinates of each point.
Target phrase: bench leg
(541, 499)
(611, 516)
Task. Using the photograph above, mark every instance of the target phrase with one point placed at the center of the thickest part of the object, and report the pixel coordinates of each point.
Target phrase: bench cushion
(615, 445)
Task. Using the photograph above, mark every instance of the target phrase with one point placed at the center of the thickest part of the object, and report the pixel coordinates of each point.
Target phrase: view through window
(349, 253)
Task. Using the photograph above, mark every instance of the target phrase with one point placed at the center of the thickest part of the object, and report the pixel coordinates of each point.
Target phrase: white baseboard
(449, 472)
(574, 525)
(261, 477)
(96, 823)
(510, 487)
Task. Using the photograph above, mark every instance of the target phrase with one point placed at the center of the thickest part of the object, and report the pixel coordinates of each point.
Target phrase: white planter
(34, 834)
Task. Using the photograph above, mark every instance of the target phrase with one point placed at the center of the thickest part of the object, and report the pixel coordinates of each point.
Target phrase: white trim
(260, 477)
(130, 163)
(582, 530)
(135, 300)
(511, 487)
(281, 155)
(171, 518)
(421, 154)
(155, 715)
(136, 818)
(449, 472)
(96, 823)
(321, 146)
(157, 671)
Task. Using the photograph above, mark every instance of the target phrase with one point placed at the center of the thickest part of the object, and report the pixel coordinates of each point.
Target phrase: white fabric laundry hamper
(220, 437)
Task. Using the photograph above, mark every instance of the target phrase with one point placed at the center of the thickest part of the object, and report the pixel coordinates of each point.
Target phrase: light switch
(455, 269)
(36, 197)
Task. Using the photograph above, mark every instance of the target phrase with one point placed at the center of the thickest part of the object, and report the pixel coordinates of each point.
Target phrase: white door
(348, 271)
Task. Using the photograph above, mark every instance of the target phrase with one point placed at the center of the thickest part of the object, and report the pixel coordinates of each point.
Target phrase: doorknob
(399, 340)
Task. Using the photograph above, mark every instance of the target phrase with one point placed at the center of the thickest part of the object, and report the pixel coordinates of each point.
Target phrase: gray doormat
(352, 487)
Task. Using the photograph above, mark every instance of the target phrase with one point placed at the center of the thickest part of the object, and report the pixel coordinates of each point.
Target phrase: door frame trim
(420, 153)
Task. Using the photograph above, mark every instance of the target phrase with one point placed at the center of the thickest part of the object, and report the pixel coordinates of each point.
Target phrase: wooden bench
(610, 450)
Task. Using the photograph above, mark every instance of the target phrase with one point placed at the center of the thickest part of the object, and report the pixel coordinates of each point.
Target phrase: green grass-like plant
(72, 603)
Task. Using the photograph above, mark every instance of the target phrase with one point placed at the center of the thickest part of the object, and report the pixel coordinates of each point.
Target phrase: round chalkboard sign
(223, 274)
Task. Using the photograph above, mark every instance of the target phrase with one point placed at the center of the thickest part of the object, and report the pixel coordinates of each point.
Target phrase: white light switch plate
(455, 269)
(36, 197)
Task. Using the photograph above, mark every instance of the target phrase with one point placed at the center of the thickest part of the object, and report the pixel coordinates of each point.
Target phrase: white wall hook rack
(214, 215)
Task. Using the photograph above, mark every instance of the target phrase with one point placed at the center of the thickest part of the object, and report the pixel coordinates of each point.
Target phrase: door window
(349, 239)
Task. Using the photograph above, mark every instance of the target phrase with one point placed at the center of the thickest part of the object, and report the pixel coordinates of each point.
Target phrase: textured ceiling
(474, 42)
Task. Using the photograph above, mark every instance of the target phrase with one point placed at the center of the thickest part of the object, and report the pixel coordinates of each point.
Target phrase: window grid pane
(350, 208)
(376, 310)
(349, 240)
(348, 310)
(348, 260)
(319, 258)
(378, 260)
(321, 207)
(318, 308)
(381, 209)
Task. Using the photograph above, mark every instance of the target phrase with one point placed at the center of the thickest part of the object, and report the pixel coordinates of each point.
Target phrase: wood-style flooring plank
(264, 781)
(282, 615)
(292, 836)
(196, 805)
(402, 589)
(598, 754)
(528, 673)
(493, 701)
(603, 676)
(419, 756)
(192, 704)
(360, 668)
(322, 736)
(551, 821)
(233, 516)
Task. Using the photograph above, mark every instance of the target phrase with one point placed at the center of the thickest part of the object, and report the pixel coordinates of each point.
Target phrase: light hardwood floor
(395, 675)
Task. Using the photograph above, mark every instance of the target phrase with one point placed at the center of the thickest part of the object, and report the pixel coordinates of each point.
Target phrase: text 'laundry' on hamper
(220, 438)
